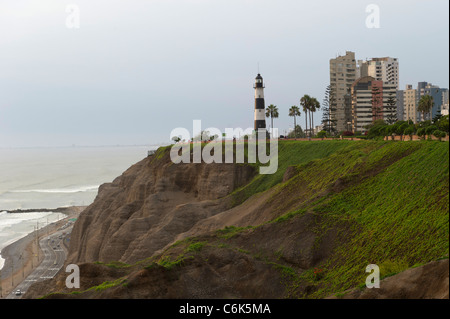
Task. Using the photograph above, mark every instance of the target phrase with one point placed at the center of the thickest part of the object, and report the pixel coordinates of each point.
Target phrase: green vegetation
(395, 219)
(404, 129)
(288, 216)
(391, 207)
(108, 284)
(272, 112)
(168, 263)
(287, 272)
(310, 105)
(390, 268)
(230, 231)
(195, 246)
(290, 153)
(114, 264)
(294, 111)
(426, 103)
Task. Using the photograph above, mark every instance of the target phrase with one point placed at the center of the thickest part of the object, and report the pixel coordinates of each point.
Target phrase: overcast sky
(135, 70)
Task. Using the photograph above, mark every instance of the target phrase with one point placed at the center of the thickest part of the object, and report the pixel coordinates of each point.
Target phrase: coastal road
(54, 256)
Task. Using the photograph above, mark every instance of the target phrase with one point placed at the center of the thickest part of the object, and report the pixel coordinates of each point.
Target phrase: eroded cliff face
(144, 209)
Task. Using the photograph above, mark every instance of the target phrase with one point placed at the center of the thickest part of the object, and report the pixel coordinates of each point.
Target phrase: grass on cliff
(290, 153)
(397, 218)
(388, 201)
(391, 209)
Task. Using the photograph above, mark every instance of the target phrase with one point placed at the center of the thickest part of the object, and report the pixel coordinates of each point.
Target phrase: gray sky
(135, 70)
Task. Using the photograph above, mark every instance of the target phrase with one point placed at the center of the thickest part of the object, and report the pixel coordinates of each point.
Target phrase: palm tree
(426, 103)
(294, 111)
(305, 102)
(272, 112)
(314, 106)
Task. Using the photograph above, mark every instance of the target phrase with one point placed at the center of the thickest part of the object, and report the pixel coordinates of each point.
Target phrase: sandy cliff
(152, 202)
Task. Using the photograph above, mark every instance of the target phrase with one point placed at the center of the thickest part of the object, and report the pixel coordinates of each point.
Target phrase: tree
(439, 134)
(421, 133)
(409, 131)
(297, 132)
(305, 102)
(322, 134)
(387, 131)
(426, 104)
(443, 124)
(328, 109)
(429, 130)
(376, 129)
(391, 129)
(391, 107)
(377, 103)
(314, 106)
(294, 111)
(272, 112)
(400, 129)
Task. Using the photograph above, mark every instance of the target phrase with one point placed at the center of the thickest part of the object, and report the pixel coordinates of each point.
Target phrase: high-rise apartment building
(400, 105)
(410, 103)
(445, 103)
(342, 76)
(381, 69)
(425, 88)
(370, 102)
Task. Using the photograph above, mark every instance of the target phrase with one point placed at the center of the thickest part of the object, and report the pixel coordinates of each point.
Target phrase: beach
(22, 256)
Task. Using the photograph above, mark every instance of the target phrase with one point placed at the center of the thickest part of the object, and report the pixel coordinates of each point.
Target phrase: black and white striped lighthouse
(260, 118)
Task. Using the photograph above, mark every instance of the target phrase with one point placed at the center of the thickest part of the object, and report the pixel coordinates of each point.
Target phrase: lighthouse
(260, 119)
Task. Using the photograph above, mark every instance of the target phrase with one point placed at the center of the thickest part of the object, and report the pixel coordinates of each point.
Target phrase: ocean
(38, 178)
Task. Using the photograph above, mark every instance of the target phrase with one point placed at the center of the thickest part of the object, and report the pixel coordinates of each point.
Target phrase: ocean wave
(59, 190)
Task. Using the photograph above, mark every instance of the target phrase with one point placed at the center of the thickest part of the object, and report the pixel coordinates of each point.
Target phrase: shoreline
(21, 256)
(62, 210)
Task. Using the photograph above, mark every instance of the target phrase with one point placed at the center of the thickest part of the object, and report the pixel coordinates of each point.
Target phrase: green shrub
(439, 134)
(195, 246)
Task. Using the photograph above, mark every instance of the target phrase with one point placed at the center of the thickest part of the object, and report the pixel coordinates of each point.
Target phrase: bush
(421, 132)
(442, 123)
(400, 130)
(439, 134)
(377, 129)
(429, 130)
(322, 134)
(409, 131)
